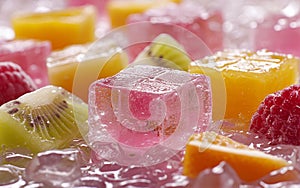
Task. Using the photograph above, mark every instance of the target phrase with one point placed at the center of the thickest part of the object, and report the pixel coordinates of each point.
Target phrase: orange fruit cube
(76, 67)
(119, 10)
(208, 149)
(249, 77)
(60, 27)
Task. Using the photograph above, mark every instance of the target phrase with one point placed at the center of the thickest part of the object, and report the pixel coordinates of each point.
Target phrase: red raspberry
(278, 117)
(14, 82)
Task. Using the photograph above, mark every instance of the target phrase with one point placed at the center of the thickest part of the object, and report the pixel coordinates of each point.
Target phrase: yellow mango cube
(249, 77)
(60, 27)
(119, 10)
(76, 67)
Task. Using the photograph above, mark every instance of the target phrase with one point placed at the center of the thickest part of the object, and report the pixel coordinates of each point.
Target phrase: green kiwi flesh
(48, 118)
(164, 51)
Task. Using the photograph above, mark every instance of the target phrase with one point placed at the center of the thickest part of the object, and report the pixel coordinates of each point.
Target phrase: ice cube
(55, 168)
(31, 55)
(205, 24)
(145, 114)
(165, 174)
(221, 176)
(10, 176)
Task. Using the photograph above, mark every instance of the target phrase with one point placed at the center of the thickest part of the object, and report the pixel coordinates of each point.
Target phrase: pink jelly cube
(207, 25)
(99, 4)
(145, 107)
(30, 55)
(279, 33)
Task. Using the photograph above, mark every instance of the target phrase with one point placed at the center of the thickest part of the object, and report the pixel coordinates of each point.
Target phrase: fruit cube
(208, 149)
(249, 77)
(61, 27)
(145, 107)
(76, 67)
(31, 55)
(207, 25)
(278, 33)
(100, 5)
(119, 10)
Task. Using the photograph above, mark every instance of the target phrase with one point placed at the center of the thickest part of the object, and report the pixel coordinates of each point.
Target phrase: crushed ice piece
(221, 176)
(145, 114)
(55, 168)
(10, 176)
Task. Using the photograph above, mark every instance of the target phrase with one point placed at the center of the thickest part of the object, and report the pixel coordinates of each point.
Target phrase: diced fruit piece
(164, 51)
(278, 117)
(47, 118)
(187, 16)
(208, 149)
(14, 82)
(67, 67)
(31, 55)
(119, 10)
(145, 108)
(61, 27)
(249, 78)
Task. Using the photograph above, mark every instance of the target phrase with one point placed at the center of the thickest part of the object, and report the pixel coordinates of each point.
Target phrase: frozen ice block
(61, 27)
(119, 10)
(205, 24)
(31, 55)
(76, 67)
(146, 109)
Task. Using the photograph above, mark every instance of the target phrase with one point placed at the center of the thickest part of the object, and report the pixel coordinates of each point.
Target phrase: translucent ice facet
(30, 55)
(54, 168)
(10, 176)
(145, 113)
(221, 176)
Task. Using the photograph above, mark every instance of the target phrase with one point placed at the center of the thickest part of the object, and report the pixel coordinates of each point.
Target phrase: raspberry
(14, 82)
(278, 117)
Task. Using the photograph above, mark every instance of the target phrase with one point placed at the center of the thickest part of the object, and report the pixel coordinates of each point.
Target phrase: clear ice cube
(145, 114)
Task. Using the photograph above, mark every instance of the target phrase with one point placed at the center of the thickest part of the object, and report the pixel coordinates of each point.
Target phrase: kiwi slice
(48, 118)
(164, 51)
